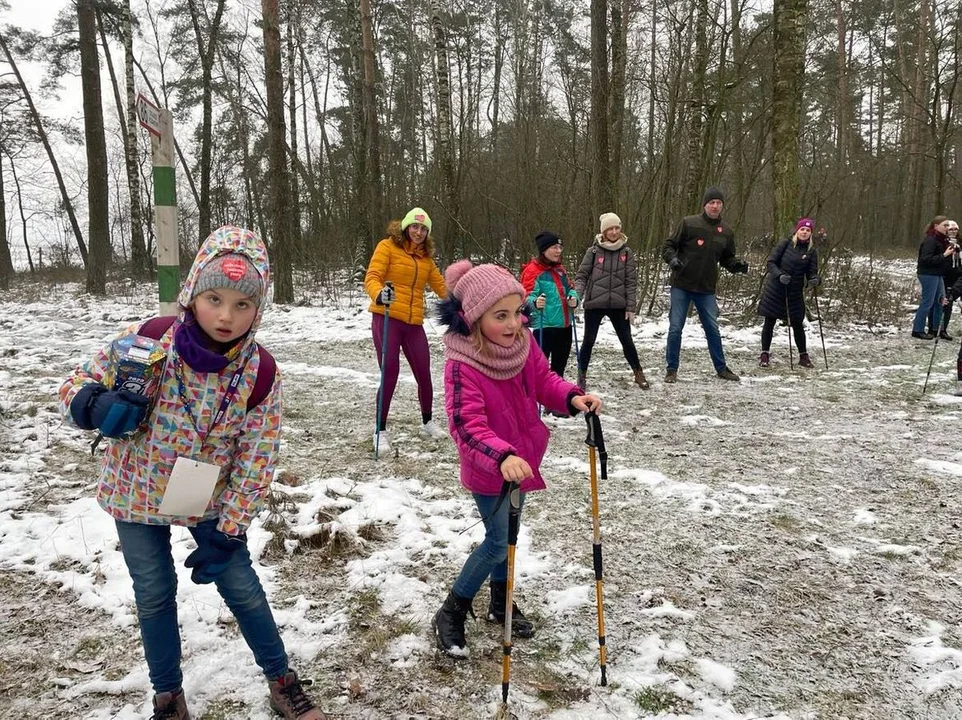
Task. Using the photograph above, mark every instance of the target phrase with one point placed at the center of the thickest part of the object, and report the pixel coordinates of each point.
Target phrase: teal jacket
(551, 281)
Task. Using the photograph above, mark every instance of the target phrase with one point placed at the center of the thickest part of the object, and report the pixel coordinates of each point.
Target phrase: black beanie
(713, 193)
(546, 239)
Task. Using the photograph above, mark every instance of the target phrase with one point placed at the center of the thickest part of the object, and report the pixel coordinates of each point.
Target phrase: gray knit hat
(233, 271)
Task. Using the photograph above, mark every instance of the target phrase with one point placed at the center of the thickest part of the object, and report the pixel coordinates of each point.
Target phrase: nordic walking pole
(540, 335)
(596, 442)
(788, 318)
(574, 332)
(380, 388)
(931, 360)
(818, 316)
(514, 520)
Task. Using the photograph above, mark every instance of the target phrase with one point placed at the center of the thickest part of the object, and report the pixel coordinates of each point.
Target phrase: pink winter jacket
(490, 419)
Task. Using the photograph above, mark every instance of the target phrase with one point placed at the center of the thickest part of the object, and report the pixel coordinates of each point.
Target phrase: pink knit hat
(479, 287)
(804, 223)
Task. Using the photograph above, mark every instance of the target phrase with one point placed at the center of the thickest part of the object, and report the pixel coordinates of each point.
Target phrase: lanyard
(224, 403)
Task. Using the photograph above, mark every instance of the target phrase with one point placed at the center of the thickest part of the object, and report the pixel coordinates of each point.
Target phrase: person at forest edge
(493, 383)
(405, 258)
(792, 266)
(211, 370)
(951, 276)
(607, 282)
(693, 252)
(553, 299)
(935, 254)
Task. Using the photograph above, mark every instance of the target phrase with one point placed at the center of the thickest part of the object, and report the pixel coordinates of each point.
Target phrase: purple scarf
(194, 347)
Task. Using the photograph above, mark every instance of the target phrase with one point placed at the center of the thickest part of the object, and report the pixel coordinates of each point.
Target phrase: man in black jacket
(694, 251)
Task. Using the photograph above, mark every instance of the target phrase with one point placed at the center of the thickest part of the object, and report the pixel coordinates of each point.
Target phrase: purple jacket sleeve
(551, 390)
(468, 420)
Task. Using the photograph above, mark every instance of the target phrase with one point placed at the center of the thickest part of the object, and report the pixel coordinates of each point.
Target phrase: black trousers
(798, 329)
(622, 328)
(556, 345)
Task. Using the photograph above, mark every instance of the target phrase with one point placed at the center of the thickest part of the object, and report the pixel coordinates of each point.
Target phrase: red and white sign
(149, 115)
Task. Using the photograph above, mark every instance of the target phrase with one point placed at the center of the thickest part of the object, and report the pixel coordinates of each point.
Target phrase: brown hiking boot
(726, 374)
(640, 379)
(289, 699)
(805, 361)
(170, 706)
(671, 376)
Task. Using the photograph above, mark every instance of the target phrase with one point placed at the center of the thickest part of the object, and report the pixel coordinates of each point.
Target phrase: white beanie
(609, 220)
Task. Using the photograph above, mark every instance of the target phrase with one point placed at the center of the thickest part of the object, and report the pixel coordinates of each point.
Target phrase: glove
(572, 301)
(785, 279)
(386, 296)
(214, 551)
(114, 412)
(951, 294)
(814, 280)
(540, 302)
(676, 263)
(740, 266)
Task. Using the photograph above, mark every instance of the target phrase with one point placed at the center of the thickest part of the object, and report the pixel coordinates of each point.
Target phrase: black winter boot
(520, 625)
(448, 625)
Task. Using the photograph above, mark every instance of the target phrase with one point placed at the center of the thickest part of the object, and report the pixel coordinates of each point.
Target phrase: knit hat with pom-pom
(478, 287)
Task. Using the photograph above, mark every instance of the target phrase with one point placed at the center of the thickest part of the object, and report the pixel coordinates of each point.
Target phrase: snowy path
(787, 547)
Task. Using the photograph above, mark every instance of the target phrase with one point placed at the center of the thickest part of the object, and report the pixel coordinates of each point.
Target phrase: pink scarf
(499, 363)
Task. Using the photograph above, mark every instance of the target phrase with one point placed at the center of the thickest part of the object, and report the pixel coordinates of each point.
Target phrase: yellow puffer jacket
(411, 268)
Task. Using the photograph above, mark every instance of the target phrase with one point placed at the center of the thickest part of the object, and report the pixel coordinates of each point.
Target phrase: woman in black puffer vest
(792, 266)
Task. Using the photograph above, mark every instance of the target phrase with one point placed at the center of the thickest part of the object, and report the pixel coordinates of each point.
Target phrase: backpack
(157, 326)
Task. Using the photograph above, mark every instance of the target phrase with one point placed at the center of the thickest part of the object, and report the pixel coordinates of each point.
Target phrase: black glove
(814, 280)
(114, 412)
(785, 279)
(951, 294)
(676, 263)
(386, 296)
(740, 266)
(214, 551)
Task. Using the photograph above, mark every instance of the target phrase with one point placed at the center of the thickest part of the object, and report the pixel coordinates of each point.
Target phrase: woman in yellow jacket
(405, 258)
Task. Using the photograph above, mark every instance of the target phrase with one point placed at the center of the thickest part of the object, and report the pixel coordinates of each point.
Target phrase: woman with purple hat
(792, 266)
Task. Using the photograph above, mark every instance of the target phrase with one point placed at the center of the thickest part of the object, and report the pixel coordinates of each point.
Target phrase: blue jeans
(930, 306)
(146, 550)
(707, 308)
(490, 558)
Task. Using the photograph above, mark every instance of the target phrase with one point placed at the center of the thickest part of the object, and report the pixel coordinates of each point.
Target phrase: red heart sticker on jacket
(700, 241)
(601, 260)
(234, 268)
(719, 228)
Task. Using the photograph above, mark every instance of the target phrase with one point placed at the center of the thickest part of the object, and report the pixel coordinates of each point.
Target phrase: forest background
(316, 122)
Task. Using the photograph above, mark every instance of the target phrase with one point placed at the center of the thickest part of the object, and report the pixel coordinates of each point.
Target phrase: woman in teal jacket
(553, 298)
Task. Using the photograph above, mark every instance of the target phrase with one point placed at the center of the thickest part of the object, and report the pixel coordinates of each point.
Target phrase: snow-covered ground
(786, 547)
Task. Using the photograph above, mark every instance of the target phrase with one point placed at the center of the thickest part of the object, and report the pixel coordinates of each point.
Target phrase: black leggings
(798, 329)
(622, 328)
(556, 345)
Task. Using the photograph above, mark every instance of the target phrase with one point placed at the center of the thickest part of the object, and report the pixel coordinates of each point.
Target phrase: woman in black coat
(792, 266)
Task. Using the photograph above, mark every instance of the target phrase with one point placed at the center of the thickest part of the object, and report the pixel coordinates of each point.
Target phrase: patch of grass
(659, 699)
(225, 710)
(788, 523)
(90, 647)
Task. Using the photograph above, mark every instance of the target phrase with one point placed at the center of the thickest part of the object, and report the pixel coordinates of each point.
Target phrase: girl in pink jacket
(493, 384)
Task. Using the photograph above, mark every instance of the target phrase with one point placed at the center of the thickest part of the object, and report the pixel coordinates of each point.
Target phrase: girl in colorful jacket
(402, 265)
(607, 283)
(198, 429)
(553, 298)
(493, 383)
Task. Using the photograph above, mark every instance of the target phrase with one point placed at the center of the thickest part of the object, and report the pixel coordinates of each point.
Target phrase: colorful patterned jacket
(244, 444)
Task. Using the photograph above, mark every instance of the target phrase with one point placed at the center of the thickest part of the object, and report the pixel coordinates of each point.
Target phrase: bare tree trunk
(277, 152)
(372, 134)
(97, 190)
(789, 74)
(6, 259)
(64, 197)
(445, 152)
(205, 51)
(127, 118)
(23, 215)
(292, 114)
(696, 107)
(601, 162)
(620, 14)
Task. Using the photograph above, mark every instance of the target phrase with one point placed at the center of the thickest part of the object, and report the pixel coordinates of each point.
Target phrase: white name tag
(189, 488)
